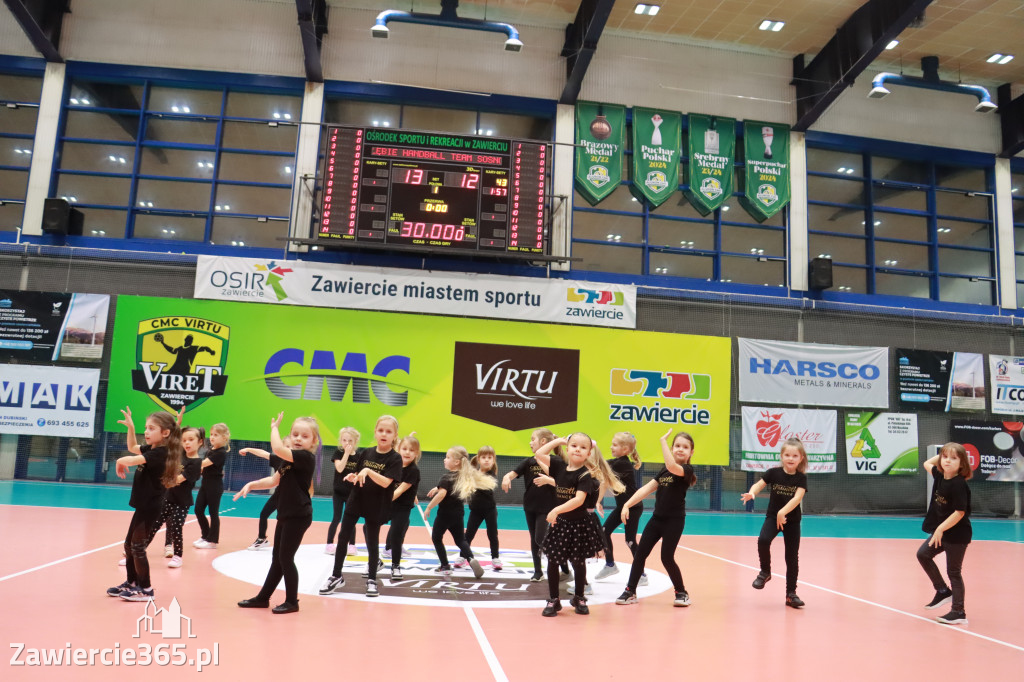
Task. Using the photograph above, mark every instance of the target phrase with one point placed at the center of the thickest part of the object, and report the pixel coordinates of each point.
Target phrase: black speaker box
(819, 276)
(60, 219)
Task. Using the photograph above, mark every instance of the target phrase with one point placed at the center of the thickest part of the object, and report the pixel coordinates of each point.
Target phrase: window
(1017, 200)
(149, 160)
(19, 107)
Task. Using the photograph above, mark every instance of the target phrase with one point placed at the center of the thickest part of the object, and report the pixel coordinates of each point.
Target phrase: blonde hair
(799, 445)
(485, 450)
(221, 427)
(630, 441)
(468, 479)
(313, 426)
(413, 443)
(394, 421)
(546, 436)
(602, 472)
(351, 432)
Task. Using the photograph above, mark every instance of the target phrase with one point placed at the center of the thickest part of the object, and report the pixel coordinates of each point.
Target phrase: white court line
(863, 601)
(485, 646)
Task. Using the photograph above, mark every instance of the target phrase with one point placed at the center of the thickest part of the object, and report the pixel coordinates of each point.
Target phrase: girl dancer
(538, 500)
(212, 487)
(668, 519)
(788, 485)
(294, 466)
(949, 522)
(402, 502)
(624, 463)
(179, 498)
(483, 508)
(344, 464)
(458, 485)
(377, 467)
(156, 470)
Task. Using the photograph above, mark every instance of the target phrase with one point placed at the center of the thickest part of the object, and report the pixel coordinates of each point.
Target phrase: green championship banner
(600, 137)
(712, 154)
(444, 377)
(657, 137)
(766, 148)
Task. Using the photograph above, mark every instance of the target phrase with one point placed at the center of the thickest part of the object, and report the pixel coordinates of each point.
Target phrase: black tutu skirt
(574, 540)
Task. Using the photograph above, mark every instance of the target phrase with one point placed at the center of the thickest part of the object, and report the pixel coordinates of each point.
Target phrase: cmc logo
(599, 296)
(808, 368)
(309, 382)
(653, 384)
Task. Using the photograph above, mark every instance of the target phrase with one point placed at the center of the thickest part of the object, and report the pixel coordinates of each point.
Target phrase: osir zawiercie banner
(881, 443)
(712, 153)
(765, 429)
(766, 152)
(657, 137)
(452, 380)
(600, 137)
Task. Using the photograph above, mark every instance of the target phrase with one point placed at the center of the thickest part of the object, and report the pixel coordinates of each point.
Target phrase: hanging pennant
(599, 139)
(657, 137)
(712, 154)
(766, 151)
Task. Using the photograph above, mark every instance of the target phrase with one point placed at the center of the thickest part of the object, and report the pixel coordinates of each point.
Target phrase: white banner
(48, 401)
(1007, 374)
(325, 285)
(813, 374)
(882, 443)
(765, 429)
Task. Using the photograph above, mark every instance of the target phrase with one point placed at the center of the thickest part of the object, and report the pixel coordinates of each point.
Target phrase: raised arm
(126, 420)
(931, 463)
(670, 461)
(254, 451)
(276, 444)
(543, 454)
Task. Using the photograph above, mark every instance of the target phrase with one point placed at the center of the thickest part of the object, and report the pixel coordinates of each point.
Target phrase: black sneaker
(682, 599)
(628, 596)
(953, 618)
(552, 608)
(332, 584)
(286, 607)
(760, 580)
(380, 565)
(941, 597)
(254, 603)
(371, 588)
(580, 605)
(794, 601)
(536, 577)
(118, 589)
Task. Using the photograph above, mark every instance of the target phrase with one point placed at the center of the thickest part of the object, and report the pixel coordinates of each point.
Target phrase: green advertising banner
(657, 137)
(600, 137)
(766, 147)
(444, 377)
(712, 154)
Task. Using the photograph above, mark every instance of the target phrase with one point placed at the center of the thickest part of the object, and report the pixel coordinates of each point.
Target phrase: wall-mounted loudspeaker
(60, 219)
(819, 275)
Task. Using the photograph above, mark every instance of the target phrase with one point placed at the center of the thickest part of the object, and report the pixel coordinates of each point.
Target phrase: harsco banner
(48, 401)
(324, 285)
(765, 429)
(813, 374)
(453, 380)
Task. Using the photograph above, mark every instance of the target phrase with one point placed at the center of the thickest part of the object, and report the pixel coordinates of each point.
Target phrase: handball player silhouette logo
(181, 361)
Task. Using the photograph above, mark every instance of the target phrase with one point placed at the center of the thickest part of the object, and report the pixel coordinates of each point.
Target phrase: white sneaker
(385, 553)
(406, 553)
(330, 549)
(123, 561)
(571, 589)
(168, 551)
(259, 543)
(198, 542)
(496, 564)
(460, 563)
(206, 545)
(643, 582)
(606, 571)
(175, 562)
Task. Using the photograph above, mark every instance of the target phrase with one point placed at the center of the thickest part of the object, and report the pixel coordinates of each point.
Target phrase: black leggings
(488, 516)
(396, 534)
(372, 517)
(269, 507)
(954, 566)
(791, 537)
(579, 569)
(451, 525)
(209, 496)
(339, 500)
(537, 524)
(612, 522)
(135, 542)
(173, 514)
(668, 530)
(287, 538)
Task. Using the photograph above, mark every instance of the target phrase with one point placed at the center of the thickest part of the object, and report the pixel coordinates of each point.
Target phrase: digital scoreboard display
(442, 191)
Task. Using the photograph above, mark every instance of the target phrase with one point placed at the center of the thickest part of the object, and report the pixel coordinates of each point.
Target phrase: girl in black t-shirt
(461, 482)
(787, 485)
(949, 522)
(537, 500)
(344, 464)
(179, 498)
(624, 463)
(212, 488)
(482, 507)
(294, 465)
(156, 470)
(402, 502)
(669, 518)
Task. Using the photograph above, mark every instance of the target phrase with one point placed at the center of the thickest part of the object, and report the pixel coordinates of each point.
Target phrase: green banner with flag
(712, 154)
(766, 151)
(600, 138)
(657, 138)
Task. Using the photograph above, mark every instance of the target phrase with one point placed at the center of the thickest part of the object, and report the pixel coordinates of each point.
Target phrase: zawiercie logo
(515, 387)
(655, 384)
(599, 296)
(181, 360)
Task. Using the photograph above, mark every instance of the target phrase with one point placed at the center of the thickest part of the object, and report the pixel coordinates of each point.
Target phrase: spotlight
(878, 92)
(986, 107)
(381, 31)
(511, 45)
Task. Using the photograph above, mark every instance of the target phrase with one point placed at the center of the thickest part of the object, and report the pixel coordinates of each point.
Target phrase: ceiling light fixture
(447, 19)
(892, 44)
(649, 10)
(771, 25)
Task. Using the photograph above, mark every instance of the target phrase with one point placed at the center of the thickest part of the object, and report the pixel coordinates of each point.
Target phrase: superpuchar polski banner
(765, 429)
(881, 443)
(326, 285)
(813, 374)
(39, 400)
(1007, 375)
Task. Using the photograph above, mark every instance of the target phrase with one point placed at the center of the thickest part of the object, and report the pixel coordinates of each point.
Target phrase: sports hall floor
(863, 587)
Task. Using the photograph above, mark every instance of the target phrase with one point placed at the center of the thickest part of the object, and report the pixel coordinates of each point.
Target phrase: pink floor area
(863, 618)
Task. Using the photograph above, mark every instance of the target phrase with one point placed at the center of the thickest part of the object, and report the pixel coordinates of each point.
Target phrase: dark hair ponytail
(165, 421)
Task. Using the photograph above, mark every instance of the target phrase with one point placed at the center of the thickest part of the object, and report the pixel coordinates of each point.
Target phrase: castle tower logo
(169, 623)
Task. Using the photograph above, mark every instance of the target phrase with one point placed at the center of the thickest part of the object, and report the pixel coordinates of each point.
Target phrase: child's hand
(780, 520)
(746, 497)
(276, 421)
(242, 453)
(121, 469)
(600, 510)
(432, 492)
(126, 420)
(936, 539)
(667, 434)
(543, 480)
(625, 514)
(180, 415)
(506, 484)
(361, 476)
(552, 517)
(351, 478)
(244, 491)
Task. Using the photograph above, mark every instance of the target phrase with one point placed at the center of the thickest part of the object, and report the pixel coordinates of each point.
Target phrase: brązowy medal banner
(48, 401)
(766, 150)
(881, 443)
(600, 137)
(1007, 374)
(657, 137)
(712, 153)
(765, 429)
(813, 374)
